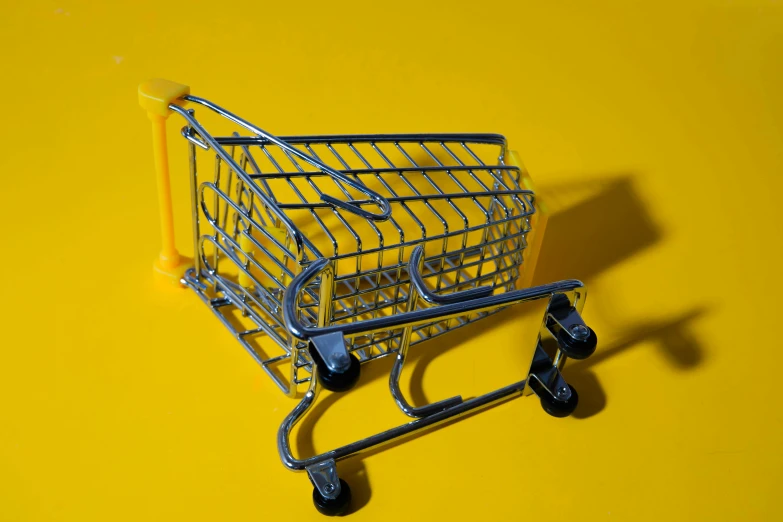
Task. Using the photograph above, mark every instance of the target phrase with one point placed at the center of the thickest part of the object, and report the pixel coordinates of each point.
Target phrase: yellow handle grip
(155, 96)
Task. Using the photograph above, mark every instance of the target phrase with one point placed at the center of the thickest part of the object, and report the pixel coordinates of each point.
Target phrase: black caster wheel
(578, 349)
(333, 506)
(560, 408)
(337, 381)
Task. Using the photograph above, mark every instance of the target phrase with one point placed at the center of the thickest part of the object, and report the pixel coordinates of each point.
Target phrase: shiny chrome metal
(360, 292)
(363, 245)
(373, 441)
(416, 317)
(326, 291)
(545, 376)
(560, 304)
(579, 332)
(383, 204)
(402, 402)
(188, 134)
(194, 202)
(414, 271)
(417, 288)
(484, 138)
(331, 349)
(324, 477)
(569, 320)
(562, 316)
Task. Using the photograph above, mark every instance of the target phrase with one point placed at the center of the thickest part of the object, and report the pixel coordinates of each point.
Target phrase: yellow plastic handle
(155, 96)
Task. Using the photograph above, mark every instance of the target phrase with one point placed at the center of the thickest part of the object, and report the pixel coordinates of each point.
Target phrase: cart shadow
(594, 234)
(673, 339)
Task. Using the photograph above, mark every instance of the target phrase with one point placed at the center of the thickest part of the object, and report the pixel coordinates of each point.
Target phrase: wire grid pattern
(453, 196)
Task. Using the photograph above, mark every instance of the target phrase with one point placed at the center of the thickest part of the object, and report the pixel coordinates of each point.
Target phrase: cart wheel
(558, 408)
(333, 506)
(578, 349)
(339, 381)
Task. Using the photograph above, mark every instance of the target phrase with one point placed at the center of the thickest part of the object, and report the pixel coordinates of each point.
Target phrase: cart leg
(558, 398)
(399, 362)
(331, 494)
(563, 323)
(320, 468)
(338, 370)
(574, 338)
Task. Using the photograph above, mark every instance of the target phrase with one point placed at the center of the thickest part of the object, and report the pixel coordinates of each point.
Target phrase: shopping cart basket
(344, 249)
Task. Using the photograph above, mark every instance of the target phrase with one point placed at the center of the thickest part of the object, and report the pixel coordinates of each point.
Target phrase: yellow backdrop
(654, 130)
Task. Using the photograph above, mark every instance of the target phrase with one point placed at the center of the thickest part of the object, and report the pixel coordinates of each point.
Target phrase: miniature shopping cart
(322, 253)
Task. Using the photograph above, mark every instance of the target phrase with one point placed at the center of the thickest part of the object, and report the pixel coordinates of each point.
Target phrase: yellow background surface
(655, 132)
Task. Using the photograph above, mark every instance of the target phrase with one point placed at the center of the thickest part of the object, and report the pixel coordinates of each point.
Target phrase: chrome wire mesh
(452, 194)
